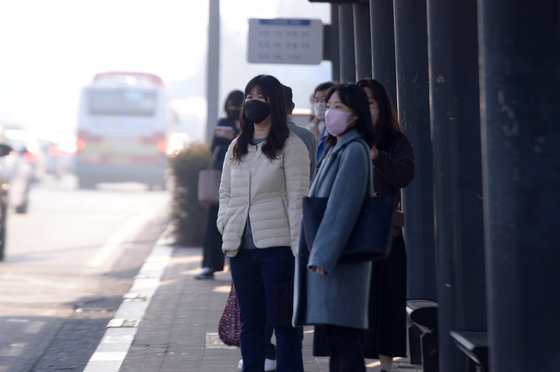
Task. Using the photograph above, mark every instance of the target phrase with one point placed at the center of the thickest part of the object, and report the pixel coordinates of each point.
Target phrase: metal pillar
(362, 41)
(414, 115)
(346, 43)
(213, 68)
(454, 109)
(520, 59)
(383, 45)
(335, 50)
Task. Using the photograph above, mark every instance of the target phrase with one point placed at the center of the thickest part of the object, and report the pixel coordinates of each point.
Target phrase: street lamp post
(213, 67)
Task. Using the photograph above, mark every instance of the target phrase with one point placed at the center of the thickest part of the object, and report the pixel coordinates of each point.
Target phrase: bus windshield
(122, 102)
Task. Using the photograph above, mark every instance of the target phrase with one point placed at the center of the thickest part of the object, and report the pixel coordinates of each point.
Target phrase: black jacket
(220, 144)
(393, 166)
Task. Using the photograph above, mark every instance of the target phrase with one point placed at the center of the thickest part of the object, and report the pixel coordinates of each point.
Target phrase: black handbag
(371, 236)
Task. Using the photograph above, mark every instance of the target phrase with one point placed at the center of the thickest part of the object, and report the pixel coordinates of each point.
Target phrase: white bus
(122, 130)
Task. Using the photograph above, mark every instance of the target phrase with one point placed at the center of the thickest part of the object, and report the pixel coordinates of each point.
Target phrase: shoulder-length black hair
(356, 99)
(387, 126)
(273, 92)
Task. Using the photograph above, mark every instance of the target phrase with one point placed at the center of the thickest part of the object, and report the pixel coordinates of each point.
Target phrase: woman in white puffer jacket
(264, 178)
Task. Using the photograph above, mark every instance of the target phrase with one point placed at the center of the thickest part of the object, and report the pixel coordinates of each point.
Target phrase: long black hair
(273, 92)
(356, 99)
(387, 126)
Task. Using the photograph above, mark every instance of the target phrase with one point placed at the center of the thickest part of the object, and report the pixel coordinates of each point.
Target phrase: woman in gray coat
(328, 292)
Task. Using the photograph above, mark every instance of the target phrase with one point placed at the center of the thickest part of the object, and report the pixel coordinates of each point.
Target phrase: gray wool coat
(341, 296)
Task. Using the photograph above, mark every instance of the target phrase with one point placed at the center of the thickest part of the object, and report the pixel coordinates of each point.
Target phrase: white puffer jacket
(269, 191)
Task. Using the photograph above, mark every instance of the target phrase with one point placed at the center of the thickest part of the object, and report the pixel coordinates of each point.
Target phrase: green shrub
(187, 214)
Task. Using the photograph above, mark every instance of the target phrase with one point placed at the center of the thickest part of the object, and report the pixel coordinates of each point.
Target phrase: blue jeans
(263, 280)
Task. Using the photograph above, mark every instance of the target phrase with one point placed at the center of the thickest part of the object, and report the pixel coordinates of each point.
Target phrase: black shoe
(206, 273)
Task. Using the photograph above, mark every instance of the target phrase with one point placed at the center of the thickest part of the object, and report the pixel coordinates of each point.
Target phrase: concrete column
(362, 41)
(335, 44)
(455, 123)
(383, 45)
(520, 105)
(346, 43)
(213, 68)
(414, 115)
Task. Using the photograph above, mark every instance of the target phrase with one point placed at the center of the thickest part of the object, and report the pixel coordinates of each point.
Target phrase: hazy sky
(50, 49)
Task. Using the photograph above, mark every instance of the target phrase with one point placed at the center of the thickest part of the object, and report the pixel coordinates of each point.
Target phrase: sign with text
(290, 41)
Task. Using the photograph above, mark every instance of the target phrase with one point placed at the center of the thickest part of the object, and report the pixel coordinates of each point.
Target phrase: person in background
(264, 179)
(313, 122)
(305, 135)
(319, 107)
(328, 292)
(226, 129)
(393, 162)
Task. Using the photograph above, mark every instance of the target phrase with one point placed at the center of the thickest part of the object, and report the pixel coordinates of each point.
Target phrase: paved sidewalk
(178, 330)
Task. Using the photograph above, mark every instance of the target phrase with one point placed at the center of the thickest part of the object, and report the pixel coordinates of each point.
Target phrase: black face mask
(233, 114)
(256, 110)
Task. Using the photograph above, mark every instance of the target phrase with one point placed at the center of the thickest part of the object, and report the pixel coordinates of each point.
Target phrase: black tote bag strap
(370, 190)
(333, 156)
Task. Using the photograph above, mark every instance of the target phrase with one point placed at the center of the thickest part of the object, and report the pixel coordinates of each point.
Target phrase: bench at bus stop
(475, 346)
(423, 338)
(422, 333)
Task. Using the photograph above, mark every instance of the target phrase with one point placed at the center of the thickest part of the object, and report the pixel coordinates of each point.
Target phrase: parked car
(21, 177)
(50, 149)
(5, 149)
(23, 166)
(59, 150)
(29, 148)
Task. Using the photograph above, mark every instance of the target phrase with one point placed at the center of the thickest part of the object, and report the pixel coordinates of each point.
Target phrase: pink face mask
(336, 121)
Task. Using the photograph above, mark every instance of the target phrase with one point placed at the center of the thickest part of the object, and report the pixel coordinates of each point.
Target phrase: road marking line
(108, 356)
(34, 327)
(108, 250)
(110, 353)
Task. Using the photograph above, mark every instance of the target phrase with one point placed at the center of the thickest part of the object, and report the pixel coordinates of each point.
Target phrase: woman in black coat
(226, 130)
(393, 161)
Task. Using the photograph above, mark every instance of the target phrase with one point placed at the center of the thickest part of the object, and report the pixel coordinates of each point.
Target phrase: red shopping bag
(229, 327)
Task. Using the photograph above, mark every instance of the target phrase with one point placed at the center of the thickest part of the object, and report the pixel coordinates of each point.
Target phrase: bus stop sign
(289, 41)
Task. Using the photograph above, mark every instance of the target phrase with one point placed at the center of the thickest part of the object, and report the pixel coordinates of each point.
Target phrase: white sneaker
(269, 364)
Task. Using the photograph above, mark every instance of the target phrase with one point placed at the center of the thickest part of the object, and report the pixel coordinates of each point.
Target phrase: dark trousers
(212, 255)
(387, 305)
(263, 280)
(346, 348)
(270, 348)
